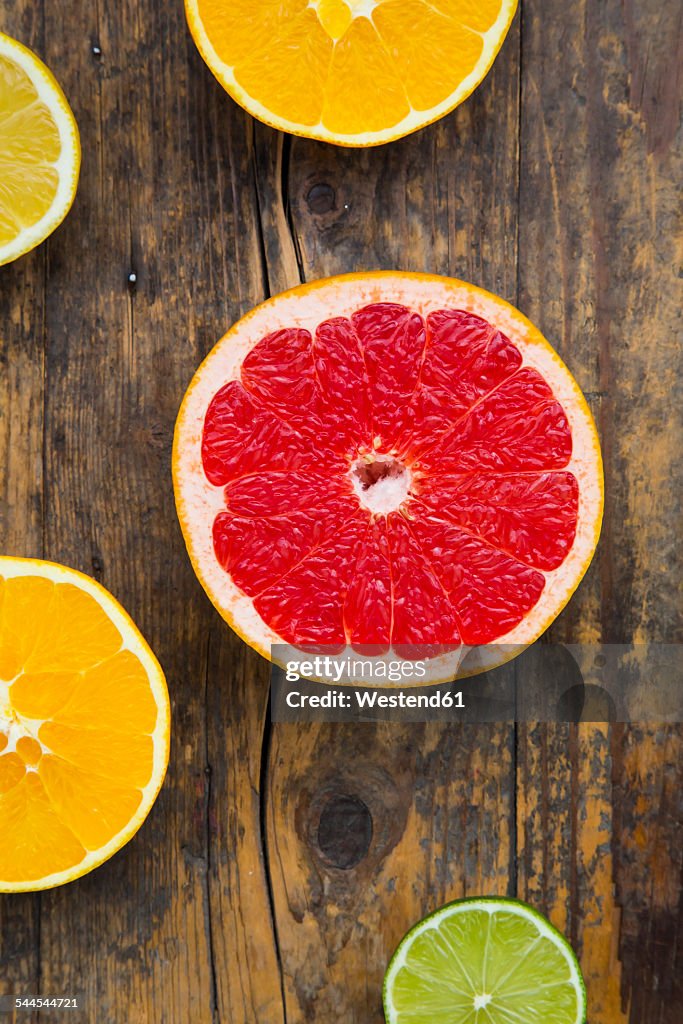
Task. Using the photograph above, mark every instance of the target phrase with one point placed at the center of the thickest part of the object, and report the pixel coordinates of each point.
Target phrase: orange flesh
(354, 66)
(76, 722)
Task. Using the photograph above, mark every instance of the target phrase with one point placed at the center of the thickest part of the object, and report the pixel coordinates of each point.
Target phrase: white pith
(490, 906)
(198, 502)
(14, 725)
(386, 494)
(492, 40)
(68, 163)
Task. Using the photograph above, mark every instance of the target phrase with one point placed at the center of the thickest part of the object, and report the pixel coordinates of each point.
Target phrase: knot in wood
(321, 198)
(344, 831)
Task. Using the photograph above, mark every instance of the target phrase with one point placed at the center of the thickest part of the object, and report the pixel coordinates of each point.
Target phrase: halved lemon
(40, 152)
(84, 725)
(353, 72)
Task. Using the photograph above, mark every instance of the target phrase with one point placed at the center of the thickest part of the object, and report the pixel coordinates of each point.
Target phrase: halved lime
(484, 961)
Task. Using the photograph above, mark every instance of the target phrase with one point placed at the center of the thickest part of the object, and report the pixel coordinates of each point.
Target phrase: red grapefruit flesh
(387, 459)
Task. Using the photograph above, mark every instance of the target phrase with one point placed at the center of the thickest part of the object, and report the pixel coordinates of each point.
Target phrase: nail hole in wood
(344, 831)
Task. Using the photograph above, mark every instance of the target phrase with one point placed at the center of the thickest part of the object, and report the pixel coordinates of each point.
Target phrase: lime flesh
(484, 961)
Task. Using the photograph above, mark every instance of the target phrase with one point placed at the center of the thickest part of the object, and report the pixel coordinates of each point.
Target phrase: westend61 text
(344, 699)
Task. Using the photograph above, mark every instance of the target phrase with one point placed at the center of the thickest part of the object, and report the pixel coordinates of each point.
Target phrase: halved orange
(352, 72)
(84, 725)
(388, 460)
(40, 152)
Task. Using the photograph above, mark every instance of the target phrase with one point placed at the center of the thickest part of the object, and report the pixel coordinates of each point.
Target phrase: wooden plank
(598, 188)
(440, 799)
(167, 194)
(22, 352)
(648, 856)
(433, 810)
(133, 937)
(245, 958)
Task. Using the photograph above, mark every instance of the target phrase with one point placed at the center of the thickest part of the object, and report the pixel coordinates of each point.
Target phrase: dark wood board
(556, 186)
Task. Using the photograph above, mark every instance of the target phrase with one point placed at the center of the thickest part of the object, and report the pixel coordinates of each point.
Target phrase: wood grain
(282, 864)
(599, 181)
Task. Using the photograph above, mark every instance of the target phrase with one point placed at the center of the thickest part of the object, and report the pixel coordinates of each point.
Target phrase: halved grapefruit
(387, 460)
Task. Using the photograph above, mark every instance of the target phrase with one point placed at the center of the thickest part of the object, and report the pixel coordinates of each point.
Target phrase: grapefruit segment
(271, 493)
(490, 592)
(424, 621)
(393, 341)
(368, 599)
(532, 517)
(517, 426)
(464, 359)
(448, 491)
(280, 374)
(466, 356)
(242, 436)
(307, 604)
(259, 551)
(343, 381)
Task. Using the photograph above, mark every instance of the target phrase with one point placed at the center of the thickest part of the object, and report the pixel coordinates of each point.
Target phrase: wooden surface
(281, 864)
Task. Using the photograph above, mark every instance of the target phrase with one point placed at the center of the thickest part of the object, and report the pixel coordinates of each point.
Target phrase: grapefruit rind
(12, 567)
(69, 162)
(491, 904)
(198, 502)
(493, 39)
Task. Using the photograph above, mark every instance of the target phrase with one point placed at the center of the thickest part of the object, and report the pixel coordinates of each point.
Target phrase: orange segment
(93, 809)
(42, 694)
(116, 692)
(36, 842)
(454, 51)
(127, 757)
(480, 15)
(78, 634)
(84, 725)
(29, 750)
(361, 57)
(12, 771)
(354, 72)
(292, 70)
(18, 632)
(335, 17)
(226, 23)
